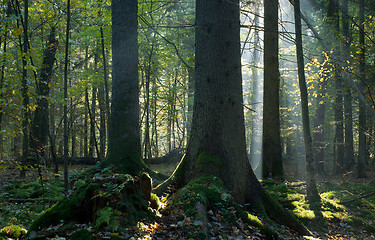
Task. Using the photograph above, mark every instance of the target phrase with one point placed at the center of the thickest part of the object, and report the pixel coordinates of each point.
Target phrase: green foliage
(12, 231)
(108, 217)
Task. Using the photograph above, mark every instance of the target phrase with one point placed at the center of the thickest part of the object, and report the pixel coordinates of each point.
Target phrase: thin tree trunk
(66, 139)
(348, 111)
(86, 110)
(319, 141)
(102, 117)
(312, 192)
(154, 122)
(362, 151)
(105, 73)
(92, 109)
(255, 139)
(2, 78)
(25, 92)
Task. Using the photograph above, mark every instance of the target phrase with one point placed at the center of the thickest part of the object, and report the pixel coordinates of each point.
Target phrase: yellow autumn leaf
(16, 32)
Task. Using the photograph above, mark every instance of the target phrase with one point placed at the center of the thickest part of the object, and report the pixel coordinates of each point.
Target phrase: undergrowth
(340, 205)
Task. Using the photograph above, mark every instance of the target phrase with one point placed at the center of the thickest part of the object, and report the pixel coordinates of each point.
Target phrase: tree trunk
(40, 123)
(271, 143)
(105, 73)
(348, 112)
(256, 121)
(66, 139)
(25, 92)
(2, 78)
(102, 117)
(312, 192)
(319, 142)
(217, 145)
(86, 113)
(362, 151)
(92, 110)
(124, 147)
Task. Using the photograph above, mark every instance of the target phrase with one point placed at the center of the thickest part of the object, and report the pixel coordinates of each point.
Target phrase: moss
(12, 231)
(208, 164)
(155, 202)
(82, 234)
(209, 191)
(74, 208)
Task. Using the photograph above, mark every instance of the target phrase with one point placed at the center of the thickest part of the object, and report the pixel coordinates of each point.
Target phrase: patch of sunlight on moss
(328, 215)
(330, 200)
(310, 238)
(255, 220)
(306, 214)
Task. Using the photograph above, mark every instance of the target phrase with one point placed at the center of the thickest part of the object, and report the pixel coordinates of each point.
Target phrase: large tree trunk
(217, 145)
(124, 147)
(271, 143)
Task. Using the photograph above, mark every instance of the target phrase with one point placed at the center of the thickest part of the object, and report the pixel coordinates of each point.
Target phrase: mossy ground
(343, 210)
(180, 218)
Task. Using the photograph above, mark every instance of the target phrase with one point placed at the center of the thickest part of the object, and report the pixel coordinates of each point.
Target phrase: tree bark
(271, 143)
(124, 151)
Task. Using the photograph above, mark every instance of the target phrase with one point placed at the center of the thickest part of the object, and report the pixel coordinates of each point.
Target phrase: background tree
(40, 122)
(271, 144)
(312, 192)
(362, 145)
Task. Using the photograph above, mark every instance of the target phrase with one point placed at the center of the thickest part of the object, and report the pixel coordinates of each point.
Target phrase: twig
(23, 200)
(358, 198)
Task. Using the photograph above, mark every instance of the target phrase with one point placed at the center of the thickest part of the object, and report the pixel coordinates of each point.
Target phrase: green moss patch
(340, 204)
(218, 203)
(207, 164)
(108, 201)
(12, 231)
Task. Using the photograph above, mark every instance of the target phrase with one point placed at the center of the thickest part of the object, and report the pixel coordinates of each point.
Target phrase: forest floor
(348, 208)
